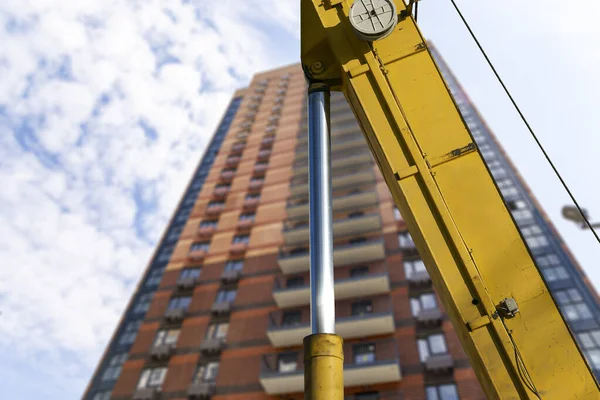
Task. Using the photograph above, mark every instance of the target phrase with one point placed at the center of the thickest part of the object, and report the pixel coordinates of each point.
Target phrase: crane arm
(512, 331)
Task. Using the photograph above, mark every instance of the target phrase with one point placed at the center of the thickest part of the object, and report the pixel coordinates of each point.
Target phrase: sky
(106, 107)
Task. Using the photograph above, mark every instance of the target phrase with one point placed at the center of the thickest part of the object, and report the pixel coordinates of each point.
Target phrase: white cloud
(78, 80)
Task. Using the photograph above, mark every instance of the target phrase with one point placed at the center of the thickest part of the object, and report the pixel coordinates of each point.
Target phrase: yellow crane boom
(512, 331)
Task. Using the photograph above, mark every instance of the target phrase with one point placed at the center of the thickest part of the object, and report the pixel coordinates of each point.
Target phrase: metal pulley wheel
(373, 19)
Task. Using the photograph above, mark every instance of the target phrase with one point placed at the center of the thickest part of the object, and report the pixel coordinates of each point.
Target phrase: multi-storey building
(224, 304)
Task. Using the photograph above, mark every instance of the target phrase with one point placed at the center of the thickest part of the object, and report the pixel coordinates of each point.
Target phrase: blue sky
(105, 108)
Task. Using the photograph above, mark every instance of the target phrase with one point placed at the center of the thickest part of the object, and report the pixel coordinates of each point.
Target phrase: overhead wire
(535, 138)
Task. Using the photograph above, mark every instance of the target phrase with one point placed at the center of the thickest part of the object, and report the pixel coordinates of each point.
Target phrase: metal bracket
(507, 308)
(332, 3)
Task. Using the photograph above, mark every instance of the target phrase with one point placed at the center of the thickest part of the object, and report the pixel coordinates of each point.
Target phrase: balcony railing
(352, 253)
(284, 373)
(376, 281)
(346, 226)
(347, 202)
(349, 178)
(377, 319)
(345, 142)
(344, 158)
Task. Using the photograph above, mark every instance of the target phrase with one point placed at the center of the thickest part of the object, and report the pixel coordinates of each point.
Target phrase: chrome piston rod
(322, 301)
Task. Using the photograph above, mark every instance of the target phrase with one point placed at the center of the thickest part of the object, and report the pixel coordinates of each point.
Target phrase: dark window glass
(291, 318)
(362, 307)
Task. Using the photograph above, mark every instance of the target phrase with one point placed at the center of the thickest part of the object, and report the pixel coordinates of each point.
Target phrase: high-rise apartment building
(224, 304)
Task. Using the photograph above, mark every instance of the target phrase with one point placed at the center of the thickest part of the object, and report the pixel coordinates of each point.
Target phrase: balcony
(430, 317)
(146, 394)
(439, 363)
(233, 161)
(244, 224)
(211, 346)
(356, 199)
(221, 308)
(162, 352)
(260, 168)
(214, 209)
(346, 178)
(206, 231)
(372, 283)
(341, 125)
(256, 184)
(238, 248)
(345, 142)
(175, 315)
(201, 390)
(371, 250)
(238, 147)
(267, 142)
(221, 192)
(197, 255)
(419, 278)
(297, 235)
(228, 277)
(251, 204)
(281, 375)
(378, 321)
(227, 176)
(338, 160)
(263, 155)
(187, 283)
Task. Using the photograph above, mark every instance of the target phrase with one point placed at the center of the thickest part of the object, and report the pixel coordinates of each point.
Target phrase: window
(174, 234)
(165, 254)
(212, 223)
(180, 303)
(104, 395)
(547, 260)
(411, 267)
(247, 217)
(534, 236)
(216, 203)
(357, 240)
(366, 396)
(555, 274)
(426, 301)
(397, 215)
(356, 214)
(287, 362)
(294, 282)
(572, 305)
(143, 303)
(257, 180)
(226, 296)
(405, 241)
(507, 188)
(227, 170)
(217, 330)
(234, 266)
(130, 332)
(207, 373)
(364, 353)
(590, 342)
(299, 250)
(241, 239)
(200, 246)
(166, 337)
(154, 278)
(442, 392)
(431, 345)
(190, 273)
(113, 369)
(253, 196)
(357, 272)
(291, 318)
(152, 377)
(362, 307)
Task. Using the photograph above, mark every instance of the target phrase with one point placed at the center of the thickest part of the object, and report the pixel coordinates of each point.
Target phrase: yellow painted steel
(460, 224)
(323, 367)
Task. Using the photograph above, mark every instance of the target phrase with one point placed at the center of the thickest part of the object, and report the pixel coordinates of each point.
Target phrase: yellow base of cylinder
(323, 367)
